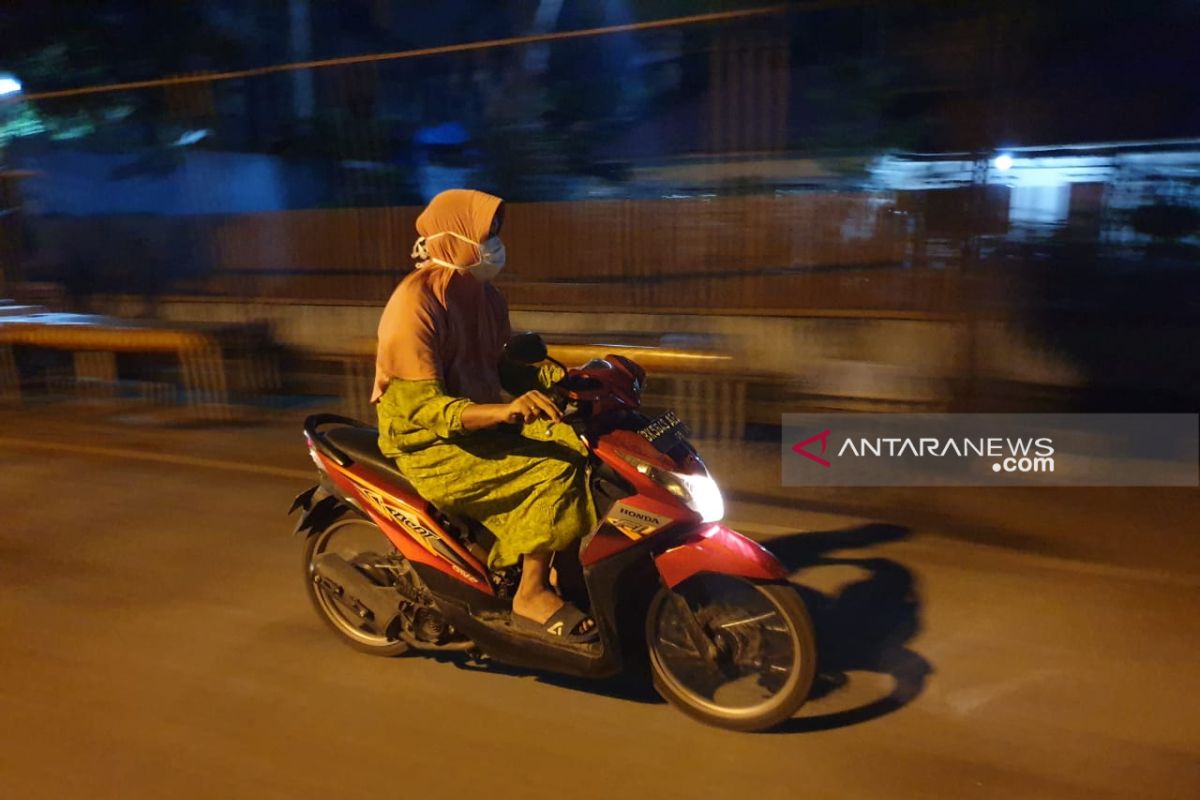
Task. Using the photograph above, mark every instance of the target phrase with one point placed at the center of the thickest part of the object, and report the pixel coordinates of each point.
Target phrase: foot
(541, 606)
(538, 605)
(535, 600)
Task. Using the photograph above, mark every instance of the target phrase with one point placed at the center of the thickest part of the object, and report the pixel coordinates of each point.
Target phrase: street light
(1003, 162)
(9, 85)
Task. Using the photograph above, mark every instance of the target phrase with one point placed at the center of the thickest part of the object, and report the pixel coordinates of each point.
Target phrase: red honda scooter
(729, 640)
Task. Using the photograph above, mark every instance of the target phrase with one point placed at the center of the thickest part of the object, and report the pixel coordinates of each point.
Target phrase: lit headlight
(700, 493)
(703, 496)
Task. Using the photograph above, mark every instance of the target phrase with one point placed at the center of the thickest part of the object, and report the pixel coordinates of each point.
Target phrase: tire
(787, 607)
(334, 536)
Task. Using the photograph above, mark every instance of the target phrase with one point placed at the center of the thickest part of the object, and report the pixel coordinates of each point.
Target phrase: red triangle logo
(823, 438)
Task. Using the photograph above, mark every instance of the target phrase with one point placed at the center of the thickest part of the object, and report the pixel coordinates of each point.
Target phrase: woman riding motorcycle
(513, 466)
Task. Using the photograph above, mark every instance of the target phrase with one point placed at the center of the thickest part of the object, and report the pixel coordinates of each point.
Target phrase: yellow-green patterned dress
(526, 484)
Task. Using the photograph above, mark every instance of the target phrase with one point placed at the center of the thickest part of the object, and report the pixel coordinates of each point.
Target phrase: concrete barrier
(95, 342)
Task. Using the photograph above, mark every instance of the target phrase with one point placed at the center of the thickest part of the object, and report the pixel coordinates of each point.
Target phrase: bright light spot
(191, 137)
(706, 499)
(1003, 162)
(9, 85)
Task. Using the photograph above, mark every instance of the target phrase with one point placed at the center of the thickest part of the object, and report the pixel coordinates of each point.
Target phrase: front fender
(718, 549)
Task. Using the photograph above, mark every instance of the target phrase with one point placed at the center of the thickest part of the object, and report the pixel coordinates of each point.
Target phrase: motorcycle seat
(362, 446)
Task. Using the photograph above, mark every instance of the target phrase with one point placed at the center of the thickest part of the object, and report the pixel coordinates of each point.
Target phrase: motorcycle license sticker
(665, 431)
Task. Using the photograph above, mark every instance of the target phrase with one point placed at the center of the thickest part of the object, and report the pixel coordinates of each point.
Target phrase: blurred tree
(72, 43)
(984, 74)
(1166, 222)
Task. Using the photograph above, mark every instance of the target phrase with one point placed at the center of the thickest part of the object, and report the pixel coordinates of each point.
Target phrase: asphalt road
(155, 641)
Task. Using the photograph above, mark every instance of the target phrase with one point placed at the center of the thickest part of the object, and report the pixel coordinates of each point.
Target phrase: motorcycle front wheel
(731, 652)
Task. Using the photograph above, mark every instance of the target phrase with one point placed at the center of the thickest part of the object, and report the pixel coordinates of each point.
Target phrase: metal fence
(738, 144)
(817, 250)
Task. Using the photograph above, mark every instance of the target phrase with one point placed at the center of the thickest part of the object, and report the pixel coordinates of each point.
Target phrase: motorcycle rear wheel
(356, 540)
(744, 661)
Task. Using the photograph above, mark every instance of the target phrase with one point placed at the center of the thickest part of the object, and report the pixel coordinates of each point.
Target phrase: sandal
(563, 626)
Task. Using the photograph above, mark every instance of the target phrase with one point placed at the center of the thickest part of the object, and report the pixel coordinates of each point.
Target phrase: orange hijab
(456, 213)
(441, 322)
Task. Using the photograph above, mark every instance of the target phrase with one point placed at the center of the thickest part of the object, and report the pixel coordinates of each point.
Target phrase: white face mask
(491, 255)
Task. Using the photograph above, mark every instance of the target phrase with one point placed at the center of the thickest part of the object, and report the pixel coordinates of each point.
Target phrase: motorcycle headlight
(700, 493)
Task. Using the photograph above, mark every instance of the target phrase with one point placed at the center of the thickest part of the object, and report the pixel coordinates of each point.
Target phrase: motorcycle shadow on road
(634, 686)
(863, 625)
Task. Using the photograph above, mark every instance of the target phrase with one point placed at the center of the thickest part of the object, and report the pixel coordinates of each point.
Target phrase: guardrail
(220, 364)
(95, 342)
(705, 388)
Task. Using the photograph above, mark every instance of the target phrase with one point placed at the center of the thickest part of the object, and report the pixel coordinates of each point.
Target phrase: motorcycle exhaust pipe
(377, 606)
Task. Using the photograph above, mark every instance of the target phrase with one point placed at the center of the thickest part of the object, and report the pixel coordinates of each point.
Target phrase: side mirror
(526, 348)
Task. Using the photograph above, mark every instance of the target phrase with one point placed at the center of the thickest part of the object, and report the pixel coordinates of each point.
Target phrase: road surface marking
(162, 458)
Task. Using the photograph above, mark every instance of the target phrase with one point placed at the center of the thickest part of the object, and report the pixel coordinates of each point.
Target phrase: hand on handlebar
(531, 406)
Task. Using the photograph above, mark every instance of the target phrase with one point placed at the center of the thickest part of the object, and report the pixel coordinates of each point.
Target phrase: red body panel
(383, 502)
(610, 447)
(607, 541)
(611, 540)
(718, 549)
(650, 496)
